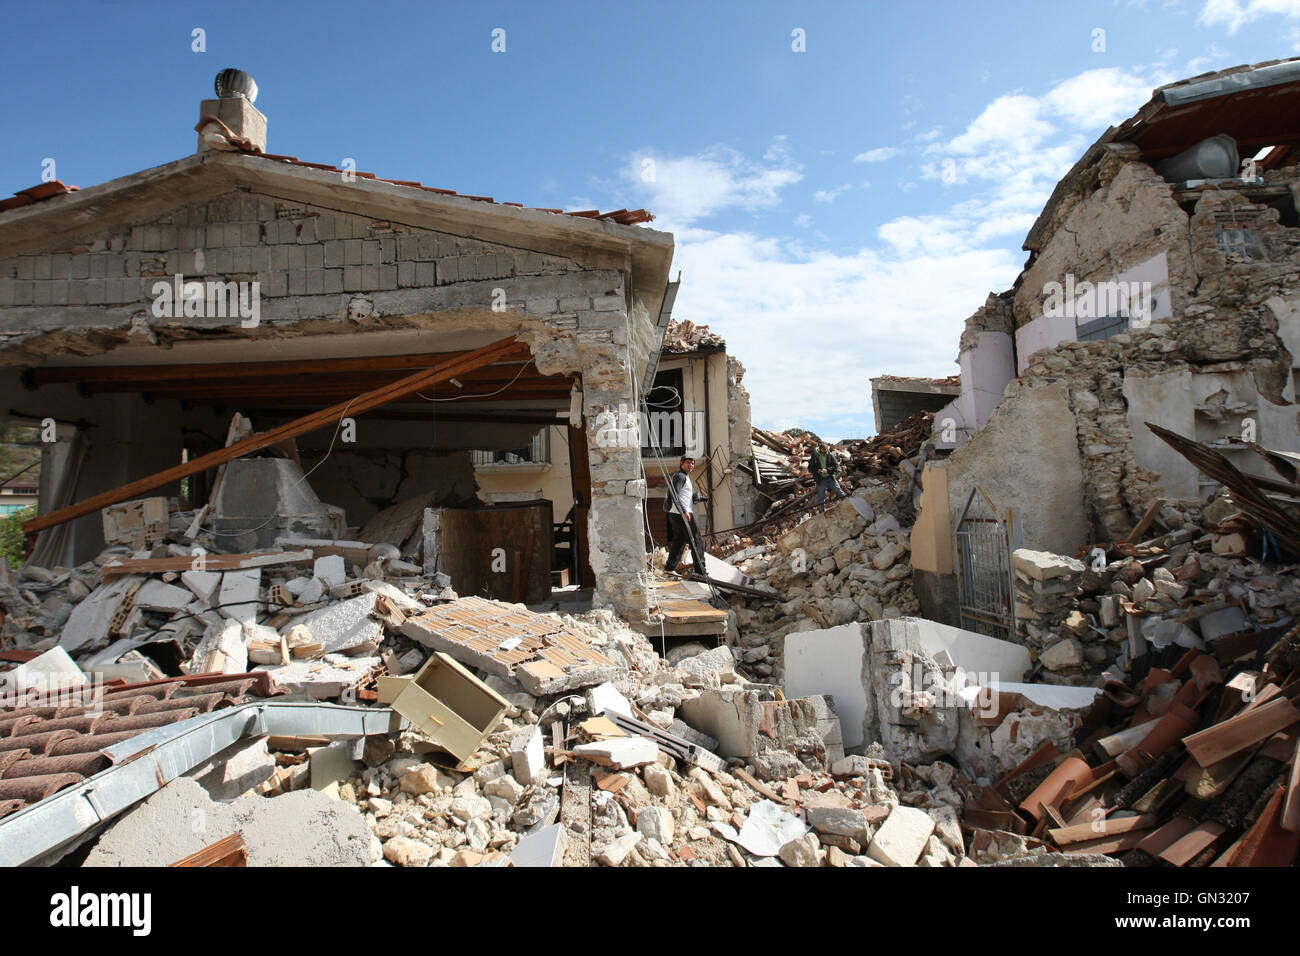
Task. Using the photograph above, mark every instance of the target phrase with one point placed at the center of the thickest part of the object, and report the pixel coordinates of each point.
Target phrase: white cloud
(794, 309)
(686, 189)
(830, 195)
(1237, 13)
(878, 155)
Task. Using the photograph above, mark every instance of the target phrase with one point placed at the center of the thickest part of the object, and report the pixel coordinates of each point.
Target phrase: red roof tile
(26, 197)
(45, 748)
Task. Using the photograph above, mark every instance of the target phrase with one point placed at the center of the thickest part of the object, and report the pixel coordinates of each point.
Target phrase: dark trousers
(682, 534)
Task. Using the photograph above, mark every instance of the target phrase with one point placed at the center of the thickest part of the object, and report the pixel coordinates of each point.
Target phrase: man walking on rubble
(823, 467)
(679, 502)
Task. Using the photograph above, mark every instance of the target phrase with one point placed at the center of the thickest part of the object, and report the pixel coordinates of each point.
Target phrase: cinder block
(307, 230)
(297, 282)
(94, 292)
(540, 306)
(80, 267)
(428, 248)
(325, 228)
(333, 281)
(279, 258)
(607, 303)
(408, 248)
(60, 266)
(370, 252)
(387, 277)
(370, 277)
(297, 258)
(387, 250)
(26, 266)
(335, 254)
(352, 279)
(279, 284)
(313, 256)
(574, 303)
(315, 279)
(41, 293)
(6, 292)
(406, 274)
(485, 266)
(59, 291)
(354, 253)
(448, 271)
(425, 274)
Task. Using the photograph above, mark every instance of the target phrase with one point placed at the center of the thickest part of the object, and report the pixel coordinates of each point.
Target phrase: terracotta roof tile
(45, 748)
(25, 197)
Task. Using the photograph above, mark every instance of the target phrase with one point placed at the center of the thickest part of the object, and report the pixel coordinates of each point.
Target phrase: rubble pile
(780, 466)
(685, 336)
(1193, 765)
(847, 564)
(1093, 619)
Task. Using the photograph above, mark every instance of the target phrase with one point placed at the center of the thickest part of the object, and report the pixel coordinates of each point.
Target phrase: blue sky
(838, 212)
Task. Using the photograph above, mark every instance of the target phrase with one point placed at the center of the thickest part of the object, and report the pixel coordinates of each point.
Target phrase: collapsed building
(137, 315)
(282, 650)
(1161, 287)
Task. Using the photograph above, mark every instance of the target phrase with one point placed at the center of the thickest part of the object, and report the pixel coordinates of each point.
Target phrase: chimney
(231, 122)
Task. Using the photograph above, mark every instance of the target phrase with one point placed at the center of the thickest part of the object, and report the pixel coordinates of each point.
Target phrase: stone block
(902, 838)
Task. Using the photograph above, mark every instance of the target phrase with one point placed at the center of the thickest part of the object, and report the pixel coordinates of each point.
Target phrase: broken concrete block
(403, 851)
(157, 595)
(841, 821)
(1063, 655)
(237, 598)
(528, 756)
(613, 854)
(1043, 565)
(470, 807)
(801, 851)
(656, 823)
(506, 787)
(605, 697)
(718, 662)
(345, 625)
(324, 679)
(902, 838)
(203, 585)
(658, 780)
(302, 828)
(544, 848)
(620, 752)
(90, 620)
(331, 569)
(424, 778)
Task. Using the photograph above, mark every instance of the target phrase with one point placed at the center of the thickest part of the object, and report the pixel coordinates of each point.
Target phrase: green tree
(11, 535)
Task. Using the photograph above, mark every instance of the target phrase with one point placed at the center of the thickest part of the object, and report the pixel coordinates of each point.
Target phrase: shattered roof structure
(684, 336)
(1255, 105)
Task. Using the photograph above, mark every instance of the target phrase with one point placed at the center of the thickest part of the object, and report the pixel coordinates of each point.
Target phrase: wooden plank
(764, 789)
(691, 612)
(1250, 727)
(364, 402)
(228, 851)
(210, 562)
(1140, 528)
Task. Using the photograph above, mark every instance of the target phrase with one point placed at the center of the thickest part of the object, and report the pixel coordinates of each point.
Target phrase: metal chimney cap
(231, 83)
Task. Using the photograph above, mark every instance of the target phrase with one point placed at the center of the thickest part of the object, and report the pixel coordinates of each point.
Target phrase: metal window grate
(985, 581)
(1098, 330)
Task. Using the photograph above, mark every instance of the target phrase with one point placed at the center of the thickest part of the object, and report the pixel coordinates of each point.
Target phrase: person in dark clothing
(679, 502)
(823, 467)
